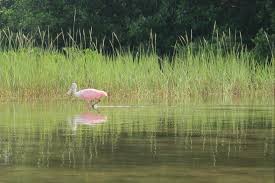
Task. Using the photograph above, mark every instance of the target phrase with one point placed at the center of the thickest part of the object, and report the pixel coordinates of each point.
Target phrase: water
(64, 142)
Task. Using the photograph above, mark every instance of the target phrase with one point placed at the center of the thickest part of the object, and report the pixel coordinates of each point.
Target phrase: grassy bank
(29, 72)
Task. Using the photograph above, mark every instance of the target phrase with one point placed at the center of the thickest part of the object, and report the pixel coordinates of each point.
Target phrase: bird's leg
(94, 104)
(91, 105)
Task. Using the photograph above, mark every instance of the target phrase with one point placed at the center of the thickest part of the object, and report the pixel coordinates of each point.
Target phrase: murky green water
(63, 142)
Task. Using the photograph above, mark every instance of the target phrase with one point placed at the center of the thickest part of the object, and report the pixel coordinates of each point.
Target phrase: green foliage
(134, 20)
(199, 69)
(264, 45)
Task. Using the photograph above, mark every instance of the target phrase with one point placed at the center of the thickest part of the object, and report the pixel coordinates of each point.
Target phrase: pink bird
(92, 96)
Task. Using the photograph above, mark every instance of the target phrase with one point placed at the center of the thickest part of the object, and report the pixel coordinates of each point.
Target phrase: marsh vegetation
(35, 68)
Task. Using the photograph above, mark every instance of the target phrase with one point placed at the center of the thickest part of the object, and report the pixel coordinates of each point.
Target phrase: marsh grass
(32, 68)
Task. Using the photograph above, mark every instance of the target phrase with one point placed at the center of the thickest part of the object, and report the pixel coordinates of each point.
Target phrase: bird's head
(72, 89)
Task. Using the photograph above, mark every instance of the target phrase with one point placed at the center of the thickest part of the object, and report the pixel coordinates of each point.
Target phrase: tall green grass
(32, 67)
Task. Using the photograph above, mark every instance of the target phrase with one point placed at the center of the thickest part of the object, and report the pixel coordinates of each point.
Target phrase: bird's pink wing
(90, 94)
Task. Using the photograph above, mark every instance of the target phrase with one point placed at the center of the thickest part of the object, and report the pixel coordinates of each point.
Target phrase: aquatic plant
(29, 70)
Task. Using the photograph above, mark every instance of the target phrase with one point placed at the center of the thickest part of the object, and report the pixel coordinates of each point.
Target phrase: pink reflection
(89, 118)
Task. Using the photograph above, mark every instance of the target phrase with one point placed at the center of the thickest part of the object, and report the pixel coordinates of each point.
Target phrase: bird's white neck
(76, 93)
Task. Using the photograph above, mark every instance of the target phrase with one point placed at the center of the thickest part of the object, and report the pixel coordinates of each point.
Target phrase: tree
(133, 20)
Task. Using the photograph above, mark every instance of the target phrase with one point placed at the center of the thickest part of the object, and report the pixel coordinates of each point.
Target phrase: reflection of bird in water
(87, 118)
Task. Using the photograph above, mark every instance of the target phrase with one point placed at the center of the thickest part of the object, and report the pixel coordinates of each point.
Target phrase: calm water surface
(64, 142)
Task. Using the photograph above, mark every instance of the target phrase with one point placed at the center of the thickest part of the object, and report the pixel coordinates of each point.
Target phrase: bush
(264, 45)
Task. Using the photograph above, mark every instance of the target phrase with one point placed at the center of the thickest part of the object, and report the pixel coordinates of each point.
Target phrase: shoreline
(210, 99)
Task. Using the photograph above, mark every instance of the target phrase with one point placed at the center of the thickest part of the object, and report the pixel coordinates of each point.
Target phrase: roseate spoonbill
(90, 95)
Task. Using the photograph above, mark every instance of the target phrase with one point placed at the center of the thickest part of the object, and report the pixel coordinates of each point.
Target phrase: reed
(32, 68)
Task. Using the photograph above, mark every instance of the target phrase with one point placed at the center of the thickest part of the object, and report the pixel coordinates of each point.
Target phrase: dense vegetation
(132, 21)
(168, 48)
(209, 69)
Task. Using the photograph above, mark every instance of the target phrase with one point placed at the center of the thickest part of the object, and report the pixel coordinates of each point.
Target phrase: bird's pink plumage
(91, 94)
